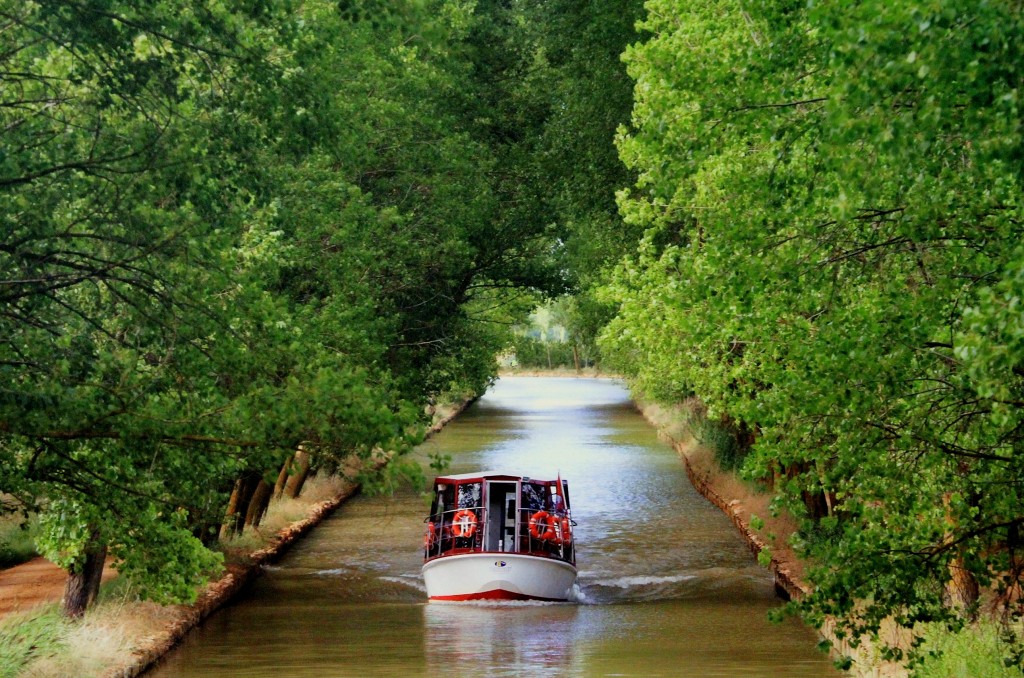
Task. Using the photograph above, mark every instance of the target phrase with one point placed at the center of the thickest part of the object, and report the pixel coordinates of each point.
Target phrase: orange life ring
(542, 525)
(464, 523)
(428, 538)
(563, 530)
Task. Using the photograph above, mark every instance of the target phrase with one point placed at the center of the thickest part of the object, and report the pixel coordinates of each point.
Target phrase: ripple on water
(410, 580)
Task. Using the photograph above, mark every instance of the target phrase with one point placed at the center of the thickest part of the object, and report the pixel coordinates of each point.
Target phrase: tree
(831, 203)
(217, 247)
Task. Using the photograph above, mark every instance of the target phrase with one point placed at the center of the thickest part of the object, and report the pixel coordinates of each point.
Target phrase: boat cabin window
(469, 495)
(534, 496)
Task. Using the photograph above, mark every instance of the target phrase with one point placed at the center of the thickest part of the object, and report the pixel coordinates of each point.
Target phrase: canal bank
(734, 498)
(245, 569)
(744, 507)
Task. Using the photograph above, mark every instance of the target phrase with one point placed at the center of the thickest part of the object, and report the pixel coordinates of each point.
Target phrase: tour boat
(493, 536)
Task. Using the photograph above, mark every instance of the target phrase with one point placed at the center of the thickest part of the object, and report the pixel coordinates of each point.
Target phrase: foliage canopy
(229, 229)
(832, 203)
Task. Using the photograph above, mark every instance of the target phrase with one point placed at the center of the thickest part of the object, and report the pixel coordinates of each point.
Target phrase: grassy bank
(121, 636)
(977, 651)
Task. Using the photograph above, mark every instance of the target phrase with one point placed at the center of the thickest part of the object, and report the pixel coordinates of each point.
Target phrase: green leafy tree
(229, 231)
(831, 198)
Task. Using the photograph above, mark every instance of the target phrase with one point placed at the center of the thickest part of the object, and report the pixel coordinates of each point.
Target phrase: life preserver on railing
(563, 530)
(464, 523)
(542, 526)
(428, 538)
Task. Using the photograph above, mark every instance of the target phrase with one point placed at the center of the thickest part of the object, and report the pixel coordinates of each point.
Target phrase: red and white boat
(493, 536)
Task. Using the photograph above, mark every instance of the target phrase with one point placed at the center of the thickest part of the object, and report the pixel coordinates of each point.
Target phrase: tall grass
(30, 637)
(977, 651)
(689, 419)
(722, 440)
(40, 643)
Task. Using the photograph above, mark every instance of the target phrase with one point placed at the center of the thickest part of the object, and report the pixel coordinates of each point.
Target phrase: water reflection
(511, 639)
(667, 586)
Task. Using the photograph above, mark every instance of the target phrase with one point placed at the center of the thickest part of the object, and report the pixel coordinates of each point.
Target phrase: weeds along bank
(121, 636)
(713, 456)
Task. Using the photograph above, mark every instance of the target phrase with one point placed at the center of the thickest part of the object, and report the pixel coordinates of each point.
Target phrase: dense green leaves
(832, 203)
(231, 229)
(228, 230)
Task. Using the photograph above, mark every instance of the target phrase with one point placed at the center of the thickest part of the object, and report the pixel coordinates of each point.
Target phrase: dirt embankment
(33, 583)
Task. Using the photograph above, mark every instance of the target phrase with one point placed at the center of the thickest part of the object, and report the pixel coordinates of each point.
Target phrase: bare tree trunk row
(251, 495)
(301, 463)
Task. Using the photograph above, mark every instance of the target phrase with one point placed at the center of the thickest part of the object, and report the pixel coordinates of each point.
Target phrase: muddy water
(667, 587)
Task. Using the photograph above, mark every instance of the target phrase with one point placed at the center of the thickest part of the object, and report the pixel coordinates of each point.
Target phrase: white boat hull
(498, 576)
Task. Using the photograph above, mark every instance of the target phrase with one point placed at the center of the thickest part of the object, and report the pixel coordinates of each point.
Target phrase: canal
(667, 587)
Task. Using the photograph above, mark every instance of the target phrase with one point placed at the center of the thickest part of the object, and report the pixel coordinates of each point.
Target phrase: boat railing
(546, 532)
(455, 531)
(538, 532)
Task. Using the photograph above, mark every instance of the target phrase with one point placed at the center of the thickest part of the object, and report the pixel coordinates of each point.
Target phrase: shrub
(976, 651)
(17, 540)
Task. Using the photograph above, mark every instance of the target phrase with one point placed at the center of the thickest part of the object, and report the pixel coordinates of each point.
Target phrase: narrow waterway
(667, 586)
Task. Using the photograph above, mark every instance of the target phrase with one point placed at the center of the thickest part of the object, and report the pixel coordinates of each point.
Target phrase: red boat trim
(495, 594)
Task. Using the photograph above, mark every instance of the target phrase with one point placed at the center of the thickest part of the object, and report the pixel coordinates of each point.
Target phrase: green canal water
(666, 585)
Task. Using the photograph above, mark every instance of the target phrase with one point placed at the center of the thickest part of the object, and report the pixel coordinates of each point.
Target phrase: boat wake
(647, 580)
(489, 604)
(710, 583)
(576, 595)
(411, 580)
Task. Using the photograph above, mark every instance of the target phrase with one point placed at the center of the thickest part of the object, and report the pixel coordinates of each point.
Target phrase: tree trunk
(282, 477)
(962, 589)
(813, 498)
(83, 584)
(226, 529)
(250, 481)
(238, 505)
(258, 504)
(295, 483)
(576, 357)
(206, 523)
